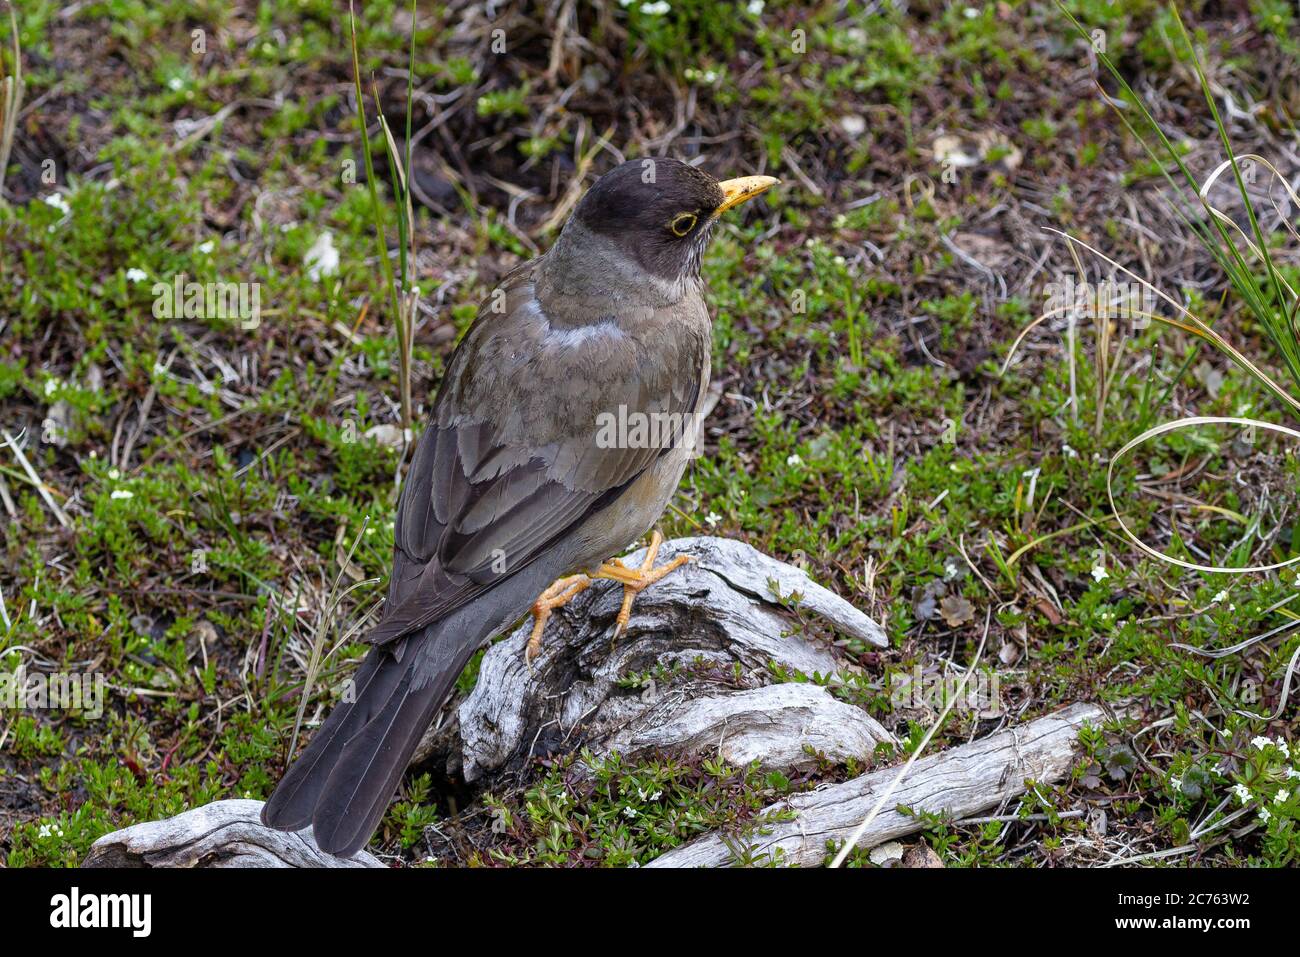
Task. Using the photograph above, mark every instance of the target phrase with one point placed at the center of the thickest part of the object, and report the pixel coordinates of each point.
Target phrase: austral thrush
(510, 488)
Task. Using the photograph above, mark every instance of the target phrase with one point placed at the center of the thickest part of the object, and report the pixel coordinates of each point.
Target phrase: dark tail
(342, 782)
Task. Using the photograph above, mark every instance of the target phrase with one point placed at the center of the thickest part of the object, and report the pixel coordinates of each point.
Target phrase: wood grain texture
(220, 834)
(693, 633)
(957, 782)
(706, 637)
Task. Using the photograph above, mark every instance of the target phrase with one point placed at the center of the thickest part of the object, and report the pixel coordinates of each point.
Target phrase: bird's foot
(636, 580)
(560, 593)
(633, 580)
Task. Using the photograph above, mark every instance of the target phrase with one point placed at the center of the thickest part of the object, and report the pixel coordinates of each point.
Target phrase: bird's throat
(588, 277)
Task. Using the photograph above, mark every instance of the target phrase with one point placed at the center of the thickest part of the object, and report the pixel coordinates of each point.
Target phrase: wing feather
(510, 462)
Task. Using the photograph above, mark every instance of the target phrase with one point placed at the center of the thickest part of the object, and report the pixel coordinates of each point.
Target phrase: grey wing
(510, 463)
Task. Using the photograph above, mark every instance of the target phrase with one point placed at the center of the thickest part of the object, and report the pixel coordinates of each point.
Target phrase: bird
(513, 503)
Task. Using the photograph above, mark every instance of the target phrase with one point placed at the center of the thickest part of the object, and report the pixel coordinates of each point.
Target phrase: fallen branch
(220, 834)
(691, 676)
(958, 782)
(696, 674)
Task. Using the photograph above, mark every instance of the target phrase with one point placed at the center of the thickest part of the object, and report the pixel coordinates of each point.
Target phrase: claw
(559, 594)
(639, 579)
(633, 580)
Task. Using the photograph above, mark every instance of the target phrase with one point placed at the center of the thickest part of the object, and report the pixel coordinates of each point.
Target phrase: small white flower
(175, 83)
(1282, 746)
(713, 518)
(1260, 742)
(657, 795)
(207, 246)
(121, 493)
(1242, 792)
(1282, 796)
(793, 461)
(656, 9)
(1218, 598)
(322, 259)
(970, 13)
(57, 201)
(136, 275)
(1265, 815)
(1176, 783)
(52, 386)
(755, 8)
(1099, 572)
(629, 812)
(114, 474)
(44, 831)
(1068, 452)
(1293, 774)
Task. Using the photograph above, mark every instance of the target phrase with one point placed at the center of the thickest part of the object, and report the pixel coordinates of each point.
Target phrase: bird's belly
(609, 532)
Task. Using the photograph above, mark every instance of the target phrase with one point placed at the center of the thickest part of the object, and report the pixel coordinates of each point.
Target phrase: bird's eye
(682, 223)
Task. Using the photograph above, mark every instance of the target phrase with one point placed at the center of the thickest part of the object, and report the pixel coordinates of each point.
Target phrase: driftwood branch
(691, 676)
(698, 673)
(220, 834)
(957, 782)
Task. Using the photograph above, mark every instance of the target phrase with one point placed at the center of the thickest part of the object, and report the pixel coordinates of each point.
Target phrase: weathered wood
(702, 639)
(774, 725)
(220, 834)
(958, 782)
(692, 676)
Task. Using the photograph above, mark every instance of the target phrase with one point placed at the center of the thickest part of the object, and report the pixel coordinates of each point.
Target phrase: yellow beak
(741, 189)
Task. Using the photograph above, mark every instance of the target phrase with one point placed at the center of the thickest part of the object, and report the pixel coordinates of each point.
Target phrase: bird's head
(660, 212)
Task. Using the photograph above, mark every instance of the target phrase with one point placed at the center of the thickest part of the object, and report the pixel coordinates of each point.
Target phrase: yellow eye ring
(682, 223)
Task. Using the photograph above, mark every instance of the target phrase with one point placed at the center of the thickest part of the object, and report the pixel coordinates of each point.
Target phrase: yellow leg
(633, 580)
(637, 580)
(560, 593)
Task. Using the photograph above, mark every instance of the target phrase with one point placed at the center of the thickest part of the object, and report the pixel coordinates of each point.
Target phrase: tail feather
(344, 779)
(370, 768)
(342, 782)
(291, 806)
